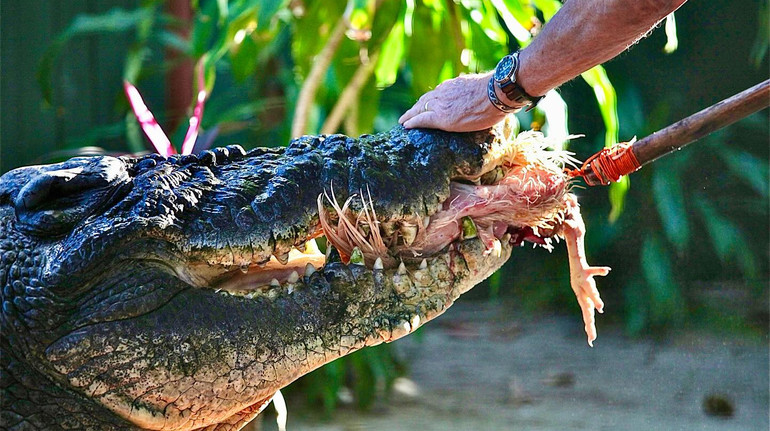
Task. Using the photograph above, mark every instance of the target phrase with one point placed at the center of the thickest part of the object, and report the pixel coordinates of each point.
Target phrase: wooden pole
(179, 78)
(698, 125)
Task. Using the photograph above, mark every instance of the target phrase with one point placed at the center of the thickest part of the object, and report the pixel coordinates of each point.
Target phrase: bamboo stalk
(698, 125)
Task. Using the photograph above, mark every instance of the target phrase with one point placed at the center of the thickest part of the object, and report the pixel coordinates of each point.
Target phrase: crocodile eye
(56, 197)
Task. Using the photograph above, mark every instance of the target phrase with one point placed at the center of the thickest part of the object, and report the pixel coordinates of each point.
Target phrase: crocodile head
(182, 293)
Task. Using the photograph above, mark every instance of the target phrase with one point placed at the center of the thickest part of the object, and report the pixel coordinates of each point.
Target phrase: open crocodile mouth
(518, 196)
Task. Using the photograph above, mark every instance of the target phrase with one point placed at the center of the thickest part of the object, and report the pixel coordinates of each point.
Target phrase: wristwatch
(505, 78)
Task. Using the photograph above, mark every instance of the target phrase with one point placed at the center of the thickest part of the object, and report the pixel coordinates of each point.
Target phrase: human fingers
(418, 108)
(426, 119)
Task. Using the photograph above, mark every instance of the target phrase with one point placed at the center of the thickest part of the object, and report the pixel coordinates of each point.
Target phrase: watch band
(495, 101)
(516, 94)
(512, 89)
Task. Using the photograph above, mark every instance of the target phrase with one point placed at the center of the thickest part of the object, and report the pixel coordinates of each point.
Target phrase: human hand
(457, 105)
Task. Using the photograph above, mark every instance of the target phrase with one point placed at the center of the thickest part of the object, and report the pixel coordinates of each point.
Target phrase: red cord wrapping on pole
(608, 165)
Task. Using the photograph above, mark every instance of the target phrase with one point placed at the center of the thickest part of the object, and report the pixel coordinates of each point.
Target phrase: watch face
(504, 68)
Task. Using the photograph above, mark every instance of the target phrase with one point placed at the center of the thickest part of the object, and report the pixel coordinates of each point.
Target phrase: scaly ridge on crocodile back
(182, 293)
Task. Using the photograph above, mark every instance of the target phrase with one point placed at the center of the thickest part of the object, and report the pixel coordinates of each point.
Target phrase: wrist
(508, 85)
(527, 75)
(508, 102)
(493, 94)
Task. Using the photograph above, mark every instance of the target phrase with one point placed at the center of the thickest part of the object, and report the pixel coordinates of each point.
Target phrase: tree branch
(313, 81)
(350, 94)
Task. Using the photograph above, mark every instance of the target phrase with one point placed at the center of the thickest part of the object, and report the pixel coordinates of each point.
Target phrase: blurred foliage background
(687, 237)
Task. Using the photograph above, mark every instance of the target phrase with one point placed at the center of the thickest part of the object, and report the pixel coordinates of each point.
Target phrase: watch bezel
(505, 72)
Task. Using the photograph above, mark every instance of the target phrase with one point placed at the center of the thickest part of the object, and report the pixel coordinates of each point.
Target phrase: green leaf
(495, 283)
(761, 44)
(752, 170)
(134, 138)
(555, 110)
(388, 15)
(727, 239)
(391, 55)
(426, 50)
(267, 10)
(360, 14)
(636, 306)
(672, 43)
(669, 200)
(597, 79)
(548, 7)
(97, 134)
(490, 26)
(134, 60)
(240, 113)
(617, 195)
(244, 58)
(364, 381)
(665, 296)
(518, 17)
(204, 27)
(486, 45)
(223, 8)
(116, 20)
(174, 40)
(368, 106)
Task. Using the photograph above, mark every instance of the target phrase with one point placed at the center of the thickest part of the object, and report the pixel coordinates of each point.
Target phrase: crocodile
(181, 293)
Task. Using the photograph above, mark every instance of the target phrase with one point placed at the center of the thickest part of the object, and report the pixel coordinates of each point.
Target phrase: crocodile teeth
(423, 264)
(497, 249)
(548, 244)
(415, 322)
(403, 285)
(422, 278)
(401, 268)
(425, 222)
(293, 277)
(311, 247)
(290, 289)
(409, 233)
(309, 269)
(244, 268)
(378, 264)
(282, 257)
(275, 283)
(400, 329)
(384, 334)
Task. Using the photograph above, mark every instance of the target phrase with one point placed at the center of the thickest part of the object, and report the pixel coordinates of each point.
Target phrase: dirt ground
(477, 368)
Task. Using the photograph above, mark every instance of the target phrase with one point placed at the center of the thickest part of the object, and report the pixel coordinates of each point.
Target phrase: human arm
(582, 34)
